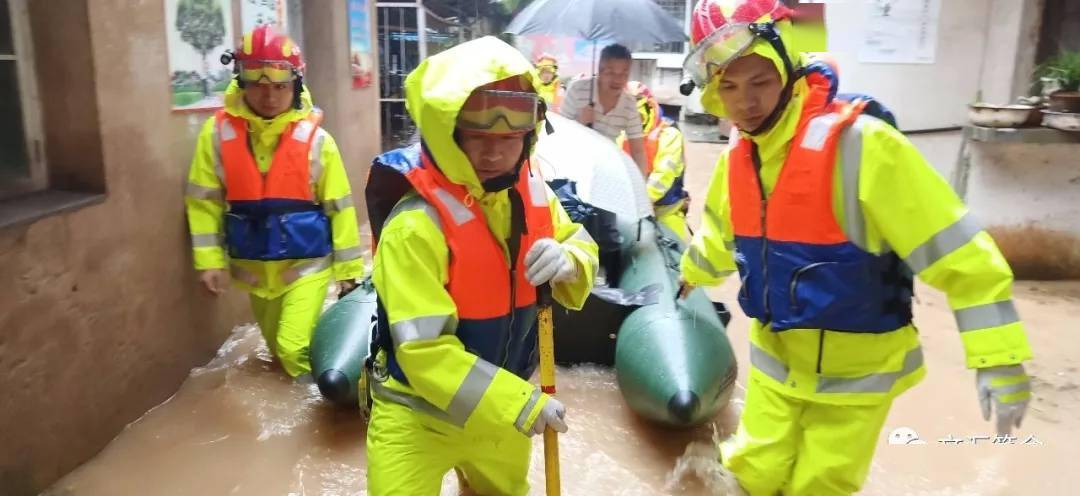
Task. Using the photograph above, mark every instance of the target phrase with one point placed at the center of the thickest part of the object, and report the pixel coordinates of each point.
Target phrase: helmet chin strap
(767, 32)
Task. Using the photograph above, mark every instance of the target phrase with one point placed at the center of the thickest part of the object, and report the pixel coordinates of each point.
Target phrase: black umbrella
(620, 20)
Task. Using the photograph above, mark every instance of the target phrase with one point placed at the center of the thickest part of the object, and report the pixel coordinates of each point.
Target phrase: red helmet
(711, 15)
(264, 53)
(638, 90)
(647, 105)
(547, 59)
(722, 30)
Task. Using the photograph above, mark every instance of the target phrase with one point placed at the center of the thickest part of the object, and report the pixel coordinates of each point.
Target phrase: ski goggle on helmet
(271, 71)
(729, 37)
(499, 112)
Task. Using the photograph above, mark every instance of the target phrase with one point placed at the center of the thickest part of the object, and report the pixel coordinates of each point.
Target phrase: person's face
(491, 154)
(268, 100)
(614, 74)
(547, 74)
(750, 88)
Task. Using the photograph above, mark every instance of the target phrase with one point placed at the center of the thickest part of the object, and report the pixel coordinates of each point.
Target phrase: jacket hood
(437, 89)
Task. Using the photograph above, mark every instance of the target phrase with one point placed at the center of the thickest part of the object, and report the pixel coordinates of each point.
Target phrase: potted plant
(1062, 72)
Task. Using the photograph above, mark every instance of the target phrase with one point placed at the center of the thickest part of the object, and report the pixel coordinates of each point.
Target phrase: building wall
(102, 315)
(1026, 195)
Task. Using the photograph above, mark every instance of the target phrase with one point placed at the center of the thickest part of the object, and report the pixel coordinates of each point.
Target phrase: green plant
(1065, 69)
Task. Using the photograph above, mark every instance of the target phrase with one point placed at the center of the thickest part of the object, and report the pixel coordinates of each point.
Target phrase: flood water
(239, 426)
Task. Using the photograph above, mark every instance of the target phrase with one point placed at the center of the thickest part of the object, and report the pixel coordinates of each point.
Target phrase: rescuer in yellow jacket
(466, 230)
(548, 85)
(665, 162)
(268, 201)
(826, 213)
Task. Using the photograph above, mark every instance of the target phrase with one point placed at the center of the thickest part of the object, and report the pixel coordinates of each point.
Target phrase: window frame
(26, 78)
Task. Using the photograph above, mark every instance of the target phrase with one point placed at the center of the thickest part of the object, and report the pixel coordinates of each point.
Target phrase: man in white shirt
(602, 102)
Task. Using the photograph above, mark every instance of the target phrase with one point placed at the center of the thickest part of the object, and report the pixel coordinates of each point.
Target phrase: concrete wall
(986, 45)
(352, 115)
(102, 317)
(1028, 196)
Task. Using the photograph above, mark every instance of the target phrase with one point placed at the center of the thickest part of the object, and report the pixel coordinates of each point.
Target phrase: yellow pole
(547, 385)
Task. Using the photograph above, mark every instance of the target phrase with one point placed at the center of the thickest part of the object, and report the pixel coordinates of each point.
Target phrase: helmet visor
(254, 71)
(716, 51)
(495, 111)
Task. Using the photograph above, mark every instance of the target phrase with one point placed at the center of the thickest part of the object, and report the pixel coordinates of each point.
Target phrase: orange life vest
(798, 267)
(272, 216)
(496, 305)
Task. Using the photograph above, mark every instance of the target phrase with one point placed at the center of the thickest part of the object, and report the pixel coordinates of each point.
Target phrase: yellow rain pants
(287, 322)
(409, 453)
(798, 447)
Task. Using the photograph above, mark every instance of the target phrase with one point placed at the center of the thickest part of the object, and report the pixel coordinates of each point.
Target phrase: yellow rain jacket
(551, 93)
(206, 206)
(664, 150)
(886, 193)
(412, 260)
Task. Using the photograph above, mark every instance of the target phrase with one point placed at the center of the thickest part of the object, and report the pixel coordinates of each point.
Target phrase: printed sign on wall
(198, 32)
(360, 57)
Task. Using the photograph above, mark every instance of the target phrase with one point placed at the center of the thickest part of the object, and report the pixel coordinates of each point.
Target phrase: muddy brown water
(239, 426)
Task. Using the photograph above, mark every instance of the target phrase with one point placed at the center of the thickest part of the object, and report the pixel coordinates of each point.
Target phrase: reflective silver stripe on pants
(872, 383)
(703, 263)
(986, 316)
(943, 243)
(200, 192)
(348, 254)
(523, 417)
(208, 240)
(337, 205)
(1019, 387)
(420, 328)
(768, 365)
(851, 146)
(305, 268)
(657, 184)
(315, 171)
(471, 391)
(415, 402)
(244, 276)
(458, 211)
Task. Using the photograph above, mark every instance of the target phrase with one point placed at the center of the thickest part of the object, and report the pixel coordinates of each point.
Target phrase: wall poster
(256, 12)
(360, 56)
(197, 33)
(901, 32)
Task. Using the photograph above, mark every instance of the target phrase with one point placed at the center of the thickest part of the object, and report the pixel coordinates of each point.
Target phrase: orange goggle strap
(272, 71)
(500, 111)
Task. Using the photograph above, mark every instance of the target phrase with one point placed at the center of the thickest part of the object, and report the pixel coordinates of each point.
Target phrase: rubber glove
(547, 261)
(1008, 388)
(552, 414)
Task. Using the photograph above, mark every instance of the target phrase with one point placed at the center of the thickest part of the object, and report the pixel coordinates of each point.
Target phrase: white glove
(547, 261)
(551, 415)
(1009, 389)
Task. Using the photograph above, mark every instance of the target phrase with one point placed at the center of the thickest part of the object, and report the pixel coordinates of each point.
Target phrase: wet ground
(238, 426)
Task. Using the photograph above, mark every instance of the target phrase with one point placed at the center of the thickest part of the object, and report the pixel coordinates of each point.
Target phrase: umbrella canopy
(620, 20)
